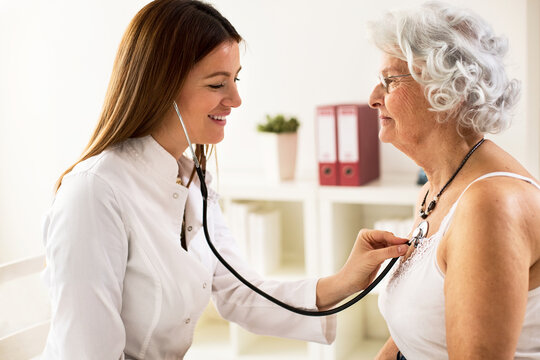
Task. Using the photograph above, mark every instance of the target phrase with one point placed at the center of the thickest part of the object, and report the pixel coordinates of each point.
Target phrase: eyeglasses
(386, 81)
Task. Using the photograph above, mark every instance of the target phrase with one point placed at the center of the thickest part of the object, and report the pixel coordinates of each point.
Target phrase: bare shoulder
(502, 196)
(500, 213)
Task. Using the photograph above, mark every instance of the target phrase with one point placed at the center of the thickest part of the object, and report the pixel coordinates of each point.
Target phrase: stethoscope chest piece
(419, 233)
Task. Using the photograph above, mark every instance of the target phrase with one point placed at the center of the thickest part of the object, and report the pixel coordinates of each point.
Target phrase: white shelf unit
(319, 225)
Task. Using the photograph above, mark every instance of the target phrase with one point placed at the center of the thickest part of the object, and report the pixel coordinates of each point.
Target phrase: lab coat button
(175, 195)
(187, 321)
(204, 285)
(189, 228)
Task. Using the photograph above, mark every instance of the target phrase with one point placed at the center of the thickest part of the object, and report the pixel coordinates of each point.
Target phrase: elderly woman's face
(403, 109)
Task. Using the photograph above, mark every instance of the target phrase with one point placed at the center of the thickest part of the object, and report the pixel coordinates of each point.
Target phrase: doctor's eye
(217, 86)
(236, 79)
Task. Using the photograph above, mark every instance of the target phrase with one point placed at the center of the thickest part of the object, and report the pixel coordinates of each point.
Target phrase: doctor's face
(209, 93)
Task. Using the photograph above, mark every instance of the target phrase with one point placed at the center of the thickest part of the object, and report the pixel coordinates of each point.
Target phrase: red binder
(326, 132)
(358, 147)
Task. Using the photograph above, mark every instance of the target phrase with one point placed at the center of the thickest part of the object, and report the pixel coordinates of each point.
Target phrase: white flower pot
(279, 155)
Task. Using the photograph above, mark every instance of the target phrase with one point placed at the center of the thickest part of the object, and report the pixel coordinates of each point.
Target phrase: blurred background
(57, 56)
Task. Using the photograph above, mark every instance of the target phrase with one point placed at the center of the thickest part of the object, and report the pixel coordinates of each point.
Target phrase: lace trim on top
(424, 248)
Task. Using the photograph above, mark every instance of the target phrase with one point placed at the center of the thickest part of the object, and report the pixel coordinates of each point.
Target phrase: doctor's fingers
(380, 238)
(379, 255)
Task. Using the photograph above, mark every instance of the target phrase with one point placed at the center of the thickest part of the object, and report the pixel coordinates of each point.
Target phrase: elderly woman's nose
(377, 97)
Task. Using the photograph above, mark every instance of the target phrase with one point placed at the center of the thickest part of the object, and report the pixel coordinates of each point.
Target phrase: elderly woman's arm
(487, 259)
(388, 351)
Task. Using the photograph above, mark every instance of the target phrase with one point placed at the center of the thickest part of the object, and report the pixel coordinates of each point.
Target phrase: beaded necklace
(422, 228)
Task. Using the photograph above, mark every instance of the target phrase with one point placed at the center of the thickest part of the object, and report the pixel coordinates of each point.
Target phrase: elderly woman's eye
(390, 83)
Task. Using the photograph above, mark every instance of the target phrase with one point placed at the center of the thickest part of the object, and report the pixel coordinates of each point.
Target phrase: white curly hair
(458, 59)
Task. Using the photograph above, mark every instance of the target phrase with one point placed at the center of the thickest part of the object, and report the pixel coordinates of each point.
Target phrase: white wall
(56, 60)
(57, 57)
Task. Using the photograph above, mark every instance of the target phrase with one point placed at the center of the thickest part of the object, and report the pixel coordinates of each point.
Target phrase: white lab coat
(121, 286)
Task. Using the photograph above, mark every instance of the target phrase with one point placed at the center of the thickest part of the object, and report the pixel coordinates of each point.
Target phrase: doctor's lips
(219, 117)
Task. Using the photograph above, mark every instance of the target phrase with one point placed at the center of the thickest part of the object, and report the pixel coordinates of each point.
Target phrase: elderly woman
(469, 288)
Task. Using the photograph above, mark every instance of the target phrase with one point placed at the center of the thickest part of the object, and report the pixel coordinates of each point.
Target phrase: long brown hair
(160, 46)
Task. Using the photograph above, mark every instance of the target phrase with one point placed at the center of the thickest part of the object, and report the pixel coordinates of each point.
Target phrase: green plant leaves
(279, 124)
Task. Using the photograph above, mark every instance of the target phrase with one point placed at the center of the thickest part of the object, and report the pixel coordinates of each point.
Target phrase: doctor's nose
(233, 98)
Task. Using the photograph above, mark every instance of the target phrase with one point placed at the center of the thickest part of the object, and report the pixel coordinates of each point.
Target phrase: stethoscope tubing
(204, 193)
(267, 296)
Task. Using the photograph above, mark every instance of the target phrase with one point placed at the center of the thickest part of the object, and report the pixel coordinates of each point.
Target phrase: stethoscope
(417, 235)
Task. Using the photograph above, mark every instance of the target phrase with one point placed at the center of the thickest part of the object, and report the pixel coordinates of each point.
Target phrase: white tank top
(412, 302)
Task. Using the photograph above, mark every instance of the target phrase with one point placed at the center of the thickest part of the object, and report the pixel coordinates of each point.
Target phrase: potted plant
(279, 143)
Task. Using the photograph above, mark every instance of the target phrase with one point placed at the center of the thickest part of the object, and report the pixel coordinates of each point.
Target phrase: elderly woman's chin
(387, 130)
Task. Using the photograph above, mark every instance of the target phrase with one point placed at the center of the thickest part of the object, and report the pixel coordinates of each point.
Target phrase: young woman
(128, 266)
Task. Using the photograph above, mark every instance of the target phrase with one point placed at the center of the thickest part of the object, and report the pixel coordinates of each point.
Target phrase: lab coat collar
(159, 160)
(186, 166)
(163, 164)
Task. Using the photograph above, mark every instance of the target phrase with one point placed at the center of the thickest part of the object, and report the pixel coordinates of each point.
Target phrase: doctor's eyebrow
(221, 73)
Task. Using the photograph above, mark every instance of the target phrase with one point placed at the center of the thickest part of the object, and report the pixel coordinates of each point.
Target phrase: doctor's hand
(371, 248)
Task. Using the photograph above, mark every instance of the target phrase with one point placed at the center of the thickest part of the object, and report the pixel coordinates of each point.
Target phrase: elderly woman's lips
(385, 120)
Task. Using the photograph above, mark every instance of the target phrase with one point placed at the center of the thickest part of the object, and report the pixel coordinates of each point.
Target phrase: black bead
(431, 206)
(423, 215)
